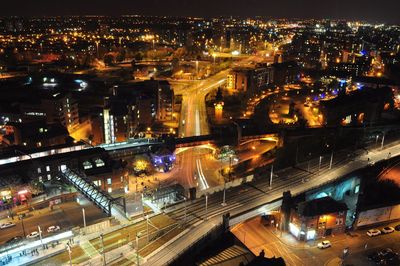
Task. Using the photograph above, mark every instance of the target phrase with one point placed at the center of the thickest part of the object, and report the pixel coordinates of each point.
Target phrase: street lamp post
(271, 176)
(137, 249)
(319, 164)
(147, 228)
(97, 48)
(69, 254)
(224, 195)
(185, 211)
(206, 206)
(142, 204)
(383, 140)
(84, 218)
(22, 223)
(331, 161)
(40, 235)
(102, 249)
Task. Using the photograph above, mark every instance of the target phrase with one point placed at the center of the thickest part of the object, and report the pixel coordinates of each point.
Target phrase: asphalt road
(249, 196)
(65, 215)
(258, 237)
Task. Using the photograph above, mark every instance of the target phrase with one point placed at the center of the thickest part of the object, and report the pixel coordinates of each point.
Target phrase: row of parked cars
(51, 229)
(372, 232)
(385, 230)
(34, 234)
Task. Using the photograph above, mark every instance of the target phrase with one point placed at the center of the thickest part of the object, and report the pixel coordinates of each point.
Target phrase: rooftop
(320, 206)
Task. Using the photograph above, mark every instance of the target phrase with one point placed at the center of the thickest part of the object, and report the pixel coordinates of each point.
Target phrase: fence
(98, 227)
(235, 183)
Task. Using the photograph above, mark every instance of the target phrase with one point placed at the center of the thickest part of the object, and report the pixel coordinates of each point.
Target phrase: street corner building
(317, 218)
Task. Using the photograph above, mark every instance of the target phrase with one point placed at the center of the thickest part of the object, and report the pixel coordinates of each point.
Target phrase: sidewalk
(289, 240)
(334, 262)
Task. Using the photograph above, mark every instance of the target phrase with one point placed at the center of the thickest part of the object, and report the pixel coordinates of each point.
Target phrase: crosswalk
(226, 255)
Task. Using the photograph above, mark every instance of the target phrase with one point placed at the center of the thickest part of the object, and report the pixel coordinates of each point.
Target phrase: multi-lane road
(193, 122)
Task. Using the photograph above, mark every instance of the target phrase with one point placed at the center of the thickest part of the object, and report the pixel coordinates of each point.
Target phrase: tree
(180, 53)
(133, 64)
(139, 56)
(175, 64)
(121, 56)
(108, 59)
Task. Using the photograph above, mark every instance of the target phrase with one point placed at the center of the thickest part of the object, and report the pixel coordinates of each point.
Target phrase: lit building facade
(317, 218)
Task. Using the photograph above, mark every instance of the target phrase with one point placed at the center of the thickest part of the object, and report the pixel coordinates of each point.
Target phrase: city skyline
(384, 12)
(176, 136)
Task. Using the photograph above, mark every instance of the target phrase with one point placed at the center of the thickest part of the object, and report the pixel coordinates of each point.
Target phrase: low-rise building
(317, 218)
(36, 134)
(364, 106)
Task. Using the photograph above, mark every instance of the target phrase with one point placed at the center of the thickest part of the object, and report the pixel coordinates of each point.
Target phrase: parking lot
(65, 215)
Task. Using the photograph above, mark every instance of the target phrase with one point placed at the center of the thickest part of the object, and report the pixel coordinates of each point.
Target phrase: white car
(7, 225)
(373, 232)
(324, 244)
(34, 234)
(388, 230)
(53, 228)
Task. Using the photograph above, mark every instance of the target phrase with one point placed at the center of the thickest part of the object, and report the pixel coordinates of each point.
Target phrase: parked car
(34, 234)
(388, 230)
(14, 240)
(374, 256)
(397, 227)
(324, 244)
(388, 257)
(373, 232)
(53, 228)
(7, 225)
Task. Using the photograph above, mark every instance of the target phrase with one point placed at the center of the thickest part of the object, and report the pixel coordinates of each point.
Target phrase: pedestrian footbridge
(100, 198)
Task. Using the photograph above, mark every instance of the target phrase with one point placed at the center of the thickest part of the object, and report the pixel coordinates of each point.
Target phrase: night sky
(370, 10)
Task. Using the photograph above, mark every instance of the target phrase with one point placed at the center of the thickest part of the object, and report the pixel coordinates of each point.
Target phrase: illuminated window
(109, 181)
(109, 189)
(386, 106)
(39, 170)
(48, 177)
(361, 118)
(48, 168)
(87, 165)
(99, 162)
